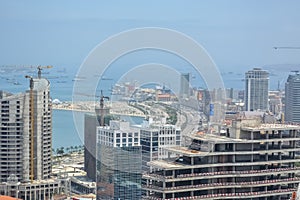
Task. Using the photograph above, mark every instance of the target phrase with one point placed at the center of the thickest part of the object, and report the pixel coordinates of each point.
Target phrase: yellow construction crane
(32, 130)
(31, 127)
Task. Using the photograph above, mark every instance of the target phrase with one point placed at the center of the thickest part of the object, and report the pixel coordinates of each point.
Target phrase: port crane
(31, 111)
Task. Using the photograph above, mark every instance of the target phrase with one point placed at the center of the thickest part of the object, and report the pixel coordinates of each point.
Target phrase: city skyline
(181, 137)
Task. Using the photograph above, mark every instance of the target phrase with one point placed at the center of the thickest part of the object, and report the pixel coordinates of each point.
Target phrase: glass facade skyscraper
(256, 90)
(292, 98)
(185, 85)
(118, 162)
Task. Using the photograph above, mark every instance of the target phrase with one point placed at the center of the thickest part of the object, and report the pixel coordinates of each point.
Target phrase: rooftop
(40, 84)
(8, 198)
(185, 151)
(271, 127)
(212, 138)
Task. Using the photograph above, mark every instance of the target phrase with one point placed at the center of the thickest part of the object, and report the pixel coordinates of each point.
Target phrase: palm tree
(71, 148)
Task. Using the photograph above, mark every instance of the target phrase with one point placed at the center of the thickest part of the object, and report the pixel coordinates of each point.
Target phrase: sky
(237, 34)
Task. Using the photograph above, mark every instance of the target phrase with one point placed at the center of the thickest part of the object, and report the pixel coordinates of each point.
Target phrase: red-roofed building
(8, 198)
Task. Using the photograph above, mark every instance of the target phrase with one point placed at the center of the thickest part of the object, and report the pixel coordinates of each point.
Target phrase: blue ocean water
(64, 130)
(65, 133)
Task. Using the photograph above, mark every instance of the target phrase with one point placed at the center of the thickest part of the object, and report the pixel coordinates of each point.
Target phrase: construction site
(251, 160)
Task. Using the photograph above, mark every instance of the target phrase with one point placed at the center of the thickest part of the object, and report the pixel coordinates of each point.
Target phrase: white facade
(118, 134)
(256, 90)
(26, 143)
(154, 139)
(18, 120)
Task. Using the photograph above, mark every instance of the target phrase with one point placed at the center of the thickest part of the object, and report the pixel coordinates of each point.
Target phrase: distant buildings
(251, 161)
(26, 143)
(118, 162)
(256, 90)
(292, 98)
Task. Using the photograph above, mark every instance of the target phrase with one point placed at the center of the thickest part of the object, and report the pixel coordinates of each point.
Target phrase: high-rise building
(118, 161)
(154, 139)
(26, 142)
(256, 90)
(26, 133)
(185, 85)
(90, 142)
(292, 98)
(253, 160)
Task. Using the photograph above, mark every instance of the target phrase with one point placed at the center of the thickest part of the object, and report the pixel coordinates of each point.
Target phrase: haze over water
(64, 131)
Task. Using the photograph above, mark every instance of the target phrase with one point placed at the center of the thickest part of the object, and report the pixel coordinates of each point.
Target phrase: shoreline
(116, 108)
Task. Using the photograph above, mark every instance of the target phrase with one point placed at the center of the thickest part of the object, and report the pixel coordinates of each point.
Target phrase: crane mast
(102, 108)
(32, 112)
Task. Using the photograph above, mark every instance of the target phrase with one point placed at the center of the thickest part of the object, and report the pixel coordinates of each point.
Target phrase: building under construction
(26, 142)
(251, 161)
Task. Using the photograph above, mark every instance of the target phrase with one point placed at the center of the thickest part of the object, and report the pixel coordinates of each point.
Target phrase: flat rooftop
(271, 127)
(215, 138)
(186, 151)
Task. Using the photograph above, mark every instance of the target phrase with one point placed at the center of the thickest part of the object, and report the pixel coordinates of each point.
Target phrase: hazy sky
(237, 34)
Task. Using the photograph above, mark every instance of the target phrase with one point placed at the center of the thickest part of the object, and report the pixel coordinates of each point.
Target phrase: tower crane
(286, 48)
(102, 98)
(32, 112)
(101, 103)
(31, 127)
(40, 69)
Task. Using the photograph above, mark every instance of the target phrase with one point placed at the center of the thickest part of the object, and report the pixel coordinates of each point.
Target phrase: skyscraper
(185, 85)
(154, 139)
(26, 142)
(90, 140)
(256, 89)
(118, 162)
(26, 133)
(292, 98)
